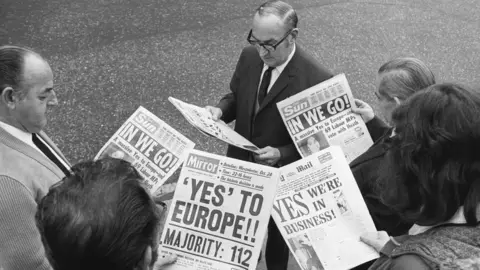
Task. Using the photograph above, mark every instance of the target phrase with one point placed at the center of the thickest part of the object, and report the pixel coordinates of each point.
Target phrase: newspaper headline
(321, 116)
(219, 213)
(152, 146)
(321, 212)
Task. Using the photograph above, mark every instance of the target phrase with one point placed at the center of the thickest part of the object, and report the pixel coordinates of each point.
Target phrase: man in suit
(272, 69)
(29, 161)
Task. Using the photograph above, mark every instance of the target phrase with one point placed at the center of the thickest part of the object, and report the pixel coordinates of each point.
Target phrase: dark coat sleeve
(377, 128)
(228, 104)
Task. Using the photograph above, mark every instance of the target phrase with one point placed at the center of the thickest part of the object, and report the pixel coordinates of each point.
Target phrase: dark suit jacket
(266, 128)
(365, 170)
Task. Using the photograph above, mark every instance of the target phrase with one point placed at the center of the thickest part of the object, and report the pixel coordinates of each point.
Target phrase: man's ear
(294, 35)
(9, 97)
(146, 262)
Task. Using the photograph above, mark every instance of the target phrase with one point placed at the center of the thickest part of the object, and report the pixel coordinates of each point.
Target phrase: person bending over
(101, 217)
(431, 177)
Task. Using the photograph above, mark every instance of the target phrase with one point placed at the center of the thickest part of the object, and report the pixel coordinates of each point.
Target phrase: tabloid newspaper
(153, 147)
(200, 118)
(321, 116)
(219, 213)
(321, 212)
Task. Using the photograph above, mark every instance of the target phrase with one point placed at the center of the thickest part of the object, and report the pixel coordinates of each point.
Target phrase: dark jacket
(365, 170)
(266, 127)
(438, 248)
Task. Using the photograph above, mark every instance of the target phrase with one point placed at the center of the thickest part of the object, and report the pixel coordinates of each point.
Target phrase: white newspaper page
(200, 118)
(321, 116)
(321, 212)
(219, 213)
(153, 147)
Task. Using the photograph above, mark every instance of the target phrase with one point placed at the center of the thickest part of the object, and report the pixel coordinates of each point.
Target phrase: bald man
(30, 163)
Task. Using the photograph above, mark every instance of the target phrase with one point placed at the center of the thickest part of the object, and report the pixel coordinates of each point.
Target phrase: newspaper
(201, 119)
(152, 146)
(321, 212)
(219, 213)
(321, 116)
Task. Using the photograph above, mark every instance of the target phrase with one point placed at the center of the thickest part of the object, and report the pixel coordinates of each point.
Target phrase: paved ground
(110, 56)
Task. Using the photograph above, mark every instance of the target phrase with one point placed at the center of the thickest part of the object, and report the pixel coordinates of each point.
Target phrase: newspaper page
(321, 116)
(200, 118)
(153, 147)
(219, 213)
(321, 212)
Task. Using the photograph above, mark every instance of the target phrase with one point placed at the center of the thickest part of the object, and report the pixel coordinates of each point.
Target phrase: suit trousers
(276, 251)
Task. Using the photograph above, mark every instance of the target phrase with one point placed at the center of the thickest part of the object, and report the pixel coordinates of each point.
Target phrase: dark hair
(433, 164)
(282, 10)
(11, 66)
(100, 217)
(403, 77)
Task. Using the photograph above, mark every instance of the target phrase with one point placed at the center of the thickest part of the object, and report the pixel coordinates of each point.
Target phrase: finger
(164, 261)
(359, 103)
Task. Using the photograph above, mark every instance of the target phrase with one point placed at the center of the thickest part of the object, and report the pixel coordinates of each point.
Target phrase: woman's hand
(364, 110)
(377, 240)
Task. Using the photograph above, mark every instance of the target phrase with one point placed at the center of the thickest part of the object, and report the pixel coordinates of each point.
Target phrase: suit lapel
(255, 73)
(29, 151)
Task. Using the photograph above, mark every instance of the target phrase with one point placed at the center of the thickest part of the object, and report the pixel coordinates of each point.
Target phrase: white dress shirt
(277, 70)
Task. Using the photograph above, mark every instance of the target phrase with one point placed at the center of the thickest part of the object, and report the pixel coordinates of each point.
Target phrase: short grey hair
(12, 60)
(403, 77)
(282, 10)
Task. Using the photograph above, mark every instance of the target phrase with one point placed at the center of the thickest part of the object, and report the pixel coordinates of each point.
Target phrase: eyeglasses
(266, 46)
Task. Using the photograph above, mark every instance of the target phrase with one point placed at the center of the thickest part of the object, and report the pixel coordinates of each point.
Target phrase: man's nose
(262, 51)
(53, 99)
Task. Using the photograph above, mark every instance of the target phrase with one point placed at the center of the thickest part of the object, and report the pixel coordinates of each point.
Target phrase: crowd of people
(419, 179)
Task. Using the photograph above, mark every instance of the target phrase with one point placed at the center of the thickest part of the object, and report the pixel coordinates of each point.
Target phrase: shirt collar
(280, 68)
(458, 218)
(22, 135)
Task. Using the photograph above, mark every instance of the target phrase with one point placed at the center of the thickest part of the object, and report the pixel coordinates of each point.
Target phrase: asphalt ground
(111, 56)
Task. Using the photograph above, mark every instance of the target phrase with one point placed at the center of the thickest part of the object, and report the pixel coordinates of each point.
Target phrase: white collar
(280, 68)
(457, 218)
(22, 135)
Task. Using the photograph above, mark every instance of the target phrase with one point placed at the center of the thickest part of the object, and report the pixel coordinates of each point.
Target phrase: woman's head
(400, 78)
(433, 164)
(100, 217)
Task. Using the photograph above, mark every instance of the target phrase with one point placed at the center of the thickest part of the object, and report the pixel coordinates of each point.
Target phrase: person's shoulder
(407, 262)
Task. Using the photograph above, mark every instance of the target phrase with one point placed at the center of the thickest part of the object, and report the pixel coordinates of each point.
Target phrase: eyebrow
(48, 90)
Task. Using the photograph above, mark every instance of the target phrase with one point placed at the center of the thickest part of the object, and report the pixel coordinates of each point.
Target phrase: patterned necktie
(262, 91)
(44, 148)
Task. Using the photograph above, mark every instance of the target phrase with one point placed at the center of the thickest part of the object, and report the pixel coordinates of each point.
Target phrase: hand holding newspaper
(321, 212)
(219, 213)
(152, 146)
(321, 116)
(201, 119)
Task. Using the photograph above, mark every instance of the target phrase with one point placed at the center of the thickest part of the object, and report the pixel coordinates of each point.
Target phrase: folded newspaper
(201, 119)
(321, 212)
(153, 147)
(321, 116)
(219, 213)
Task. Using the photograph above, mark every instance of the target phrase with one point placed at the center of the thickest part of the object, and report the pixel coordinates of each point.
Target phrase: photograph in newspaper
(321, 213)
(153, 147)
(201, 119)
(219, 213)
(321, 116)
